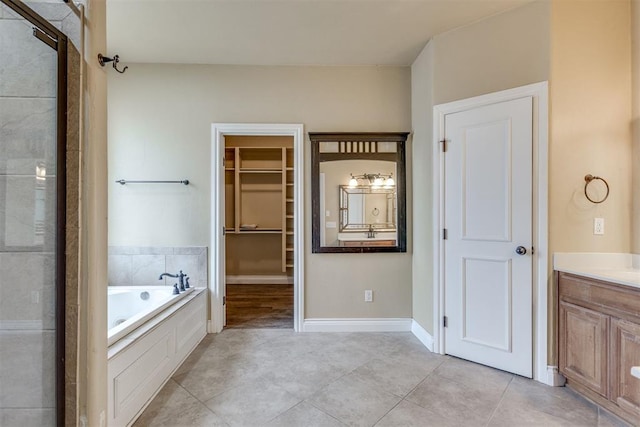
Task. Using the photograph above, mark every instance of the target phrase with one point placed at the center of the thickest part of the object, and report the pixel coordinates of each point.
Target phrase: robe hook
(116, 59)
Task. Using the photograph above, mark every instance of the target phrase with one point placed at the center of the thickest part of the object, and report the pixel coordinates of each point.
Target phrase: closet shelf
(261, 231)
(257, 188)
(252, 170)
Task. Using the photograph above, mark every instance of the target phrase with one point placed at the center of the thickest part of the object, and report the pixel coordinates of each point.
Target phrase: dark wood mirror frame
(317, 158)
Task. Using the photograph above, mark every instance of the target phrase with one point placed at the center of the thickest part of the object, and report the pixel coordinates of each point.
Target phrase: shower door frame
(58, 42)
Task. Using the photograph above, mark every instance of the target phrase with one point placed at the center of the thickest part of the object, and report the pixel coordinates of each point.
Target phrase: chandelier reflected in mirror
(373, 180)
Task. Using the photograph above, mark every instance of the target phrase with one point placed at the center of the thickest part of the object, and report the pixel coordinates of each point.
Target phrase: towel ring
(588, 178)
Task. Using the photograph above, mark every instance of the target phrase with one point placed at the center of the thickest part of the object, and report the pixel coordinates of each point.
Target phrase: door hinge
(533, 250)
(445, 234)
(444, 145)
(224, 300)
(224, 231)
(445, 321)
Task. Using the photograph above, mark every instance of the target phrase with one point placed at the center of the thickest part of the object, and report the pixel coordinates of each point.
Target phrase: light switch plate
(368, 295)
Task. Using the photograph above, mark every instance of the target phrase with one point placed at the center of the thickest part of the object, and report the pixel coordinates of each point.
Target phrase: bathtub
(128, 307)
(151, 332)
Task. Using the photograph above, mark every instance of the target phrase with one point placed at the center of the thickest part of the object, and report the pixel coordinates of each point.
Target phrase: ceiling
(285, 32)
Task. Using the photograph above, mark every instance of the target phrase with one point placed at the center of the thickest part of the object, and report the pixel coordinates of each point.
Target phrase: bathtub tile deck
(275, 377)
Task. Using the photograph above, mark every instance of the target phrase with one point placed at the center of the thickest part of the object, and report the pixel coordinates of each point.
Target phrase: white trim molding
(217, 261)
(539, 93)
(358, 325)
(554, 377)
(259, 280)
(421, 333)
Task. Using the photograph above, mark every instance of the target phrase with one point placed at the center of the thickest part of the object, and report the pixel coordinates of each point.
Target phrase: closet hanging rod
(124, 181)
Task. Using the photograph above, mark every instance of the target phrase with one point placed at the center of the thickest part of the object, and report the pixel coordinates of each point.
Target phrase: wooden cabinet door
(584, 343)
(625, 354)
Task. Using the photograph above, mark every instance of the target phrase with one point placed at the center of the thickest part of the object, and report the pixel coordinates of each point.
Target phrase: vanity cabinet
(357, 243)
(585, 335)
(599, 342)
(624, 355)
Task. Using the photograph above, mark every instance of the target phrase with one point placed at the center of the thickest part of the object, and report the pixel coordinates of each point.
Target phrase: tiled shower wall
(27, 216)
(141, 266)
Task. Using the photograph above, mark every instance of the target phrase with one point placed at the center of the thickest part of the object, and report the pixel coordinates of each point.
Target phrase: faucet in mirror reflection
(183, 280)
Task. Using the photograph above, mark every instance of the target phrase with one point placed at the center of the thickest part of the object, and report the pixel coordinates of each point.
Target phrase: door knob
(521, 250)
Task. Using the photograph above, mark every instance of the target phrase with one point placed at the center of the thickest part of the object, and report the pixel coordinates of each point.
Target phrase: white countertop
(611, 267)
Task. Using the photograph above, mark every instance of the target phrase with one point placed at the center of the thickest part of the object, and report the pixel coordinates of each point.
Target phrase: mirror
(361, 207)
(358, 192)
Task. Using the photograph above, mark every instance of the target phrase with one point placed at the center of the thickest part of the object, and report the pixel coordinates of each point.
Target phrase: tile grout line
(423, 380)
(493, 413)
(323, 411)
(198, 400)
(387, 413)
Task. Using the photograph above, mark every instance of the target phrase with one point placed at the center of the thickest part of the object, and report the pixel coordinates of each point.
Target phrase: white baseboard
(422, 334)
(357, 325)
(259, 280)
(554, 377)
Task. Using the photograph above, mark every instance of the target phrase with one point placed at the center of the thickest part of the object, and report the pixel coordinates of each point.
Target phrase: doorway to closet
(257, 227)
(259, 233)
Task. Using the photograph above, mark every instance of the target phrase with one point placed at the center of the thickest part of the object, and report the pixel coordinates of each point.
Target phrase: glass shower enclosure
(33, 100)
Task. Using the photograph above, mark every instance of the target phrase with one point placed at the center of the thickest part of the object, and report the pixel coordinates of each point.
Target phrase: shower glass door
(32, 134)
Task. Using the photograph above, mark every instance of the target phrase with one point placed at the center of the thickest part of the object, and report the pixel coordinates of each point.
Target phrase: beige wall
(160, 128)
(635, 97)
(504, 51)
(92, 346)
(422, 127)
(589, 128)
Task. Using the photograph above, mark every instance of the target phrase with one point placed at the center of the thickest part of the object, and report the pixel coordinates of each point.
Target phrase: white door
(488, 221)
(221, 245)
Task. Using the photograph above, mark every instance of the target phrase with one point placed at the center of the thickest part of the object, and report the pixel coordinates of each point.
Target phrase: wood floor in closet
(260, 306)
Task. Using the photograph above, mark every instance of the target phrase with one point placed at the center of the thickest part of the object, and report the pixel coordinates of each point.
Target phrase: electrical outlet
(368, 295)
(598, 226)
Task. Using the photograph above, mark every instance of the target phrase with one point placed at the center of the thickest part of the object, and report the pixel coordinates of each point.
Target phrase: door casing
(217, 258)
(539, 91)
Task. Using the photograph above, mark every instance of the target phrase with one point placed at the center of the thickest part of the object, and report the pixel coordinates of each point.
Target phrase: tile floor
(270, 377)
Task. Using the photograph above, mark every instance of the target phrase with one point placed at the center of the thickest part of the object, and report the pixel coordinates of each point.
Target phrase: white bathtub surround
(128, 307)
(141, 362)
(619, 268)
(141, 265)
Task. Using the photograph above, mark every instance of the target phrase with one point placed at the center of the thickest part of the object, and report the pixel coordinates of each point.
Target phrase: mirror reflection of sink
(383, 235)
